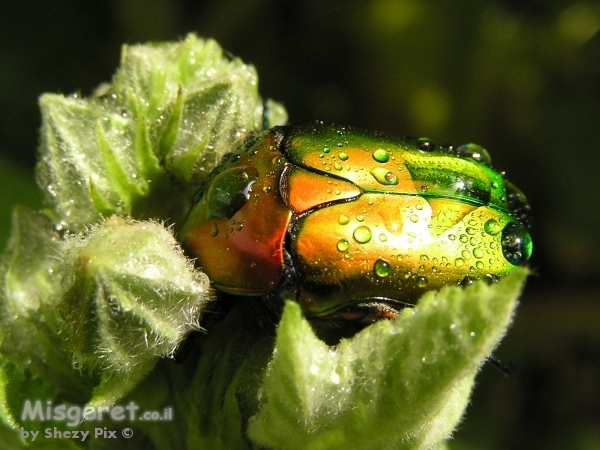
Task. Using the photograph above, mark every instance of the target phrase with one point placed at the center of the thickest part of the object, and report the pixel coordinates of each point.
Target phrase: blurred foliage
(519, 77)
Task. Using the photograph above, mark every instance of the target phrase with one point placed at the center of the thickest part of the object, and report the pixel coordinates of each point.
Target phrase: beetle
(354, 225)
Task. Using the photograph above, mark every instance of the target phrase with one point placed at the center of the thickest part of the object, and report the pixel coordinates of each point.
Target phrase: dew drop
(337, 166)
(360, 218)
(479, 265)
(343, 219)
(343, 245)
(383, 237)
(214, 230)
(384, 176)
(381, 155)
(492, 227)
(326, 150)
(516, 244)
(476, 152)
(266, 189)
(478, 253)
(343, 156)
(382, 268)
(422, 282)
(458, 262)
(414, 218)
(362, 234)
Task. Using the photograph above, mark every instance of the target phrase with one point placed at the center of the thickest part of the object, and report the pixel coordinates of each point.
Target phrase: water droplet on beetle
(381, 155)
(414, 218)
(383, 237)
(360, 218)
(478, 252)
(343, 156)
(337, 166)
(266, 189)
(362, 234)
(459, 262)
(382, 268)
(474, 151)
(343, 219)
(384, 176)
(422, 282)
(214, 230)
(492, 227)
(343, 245)
(326, 150)
(516, 244)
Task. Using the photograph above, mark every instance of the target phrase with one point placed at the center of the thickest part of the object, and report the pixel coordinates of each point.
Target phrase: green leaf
(35, 361)
(397, 384)
(172, 111)
(130, 296)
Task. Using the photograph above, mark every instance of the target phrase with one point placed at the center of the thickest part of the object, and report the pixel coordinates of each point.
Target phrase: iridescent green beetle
(354, 225)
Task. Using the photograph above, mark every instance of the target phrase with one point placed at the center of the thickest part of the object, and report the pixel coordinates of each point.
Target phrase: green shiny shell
(363, 217)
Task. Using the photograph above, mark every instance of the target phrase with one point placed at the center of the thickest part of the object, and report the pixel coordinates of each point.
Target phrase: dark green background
(521, 78)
